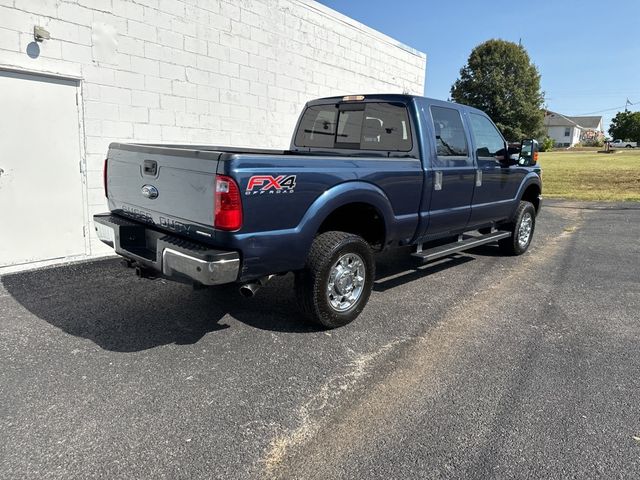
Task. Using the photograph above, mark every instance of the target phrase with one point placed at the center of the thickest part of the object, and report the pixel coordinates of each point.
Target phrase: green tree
(500, 79)
(625, 126)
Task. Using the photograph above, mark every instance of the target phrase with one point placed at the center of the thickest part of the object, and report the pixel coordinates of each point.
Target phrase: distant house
(568, 131)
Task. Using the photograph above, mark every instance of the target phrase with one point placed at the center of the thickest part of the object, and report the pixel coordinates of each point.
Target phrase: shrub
(594, 142)
(546, 144)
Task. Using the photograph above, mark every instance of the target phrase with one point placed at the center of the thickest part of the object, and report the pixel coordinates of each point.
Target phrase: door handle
(478, 178)
(150, 167)
(437, 182)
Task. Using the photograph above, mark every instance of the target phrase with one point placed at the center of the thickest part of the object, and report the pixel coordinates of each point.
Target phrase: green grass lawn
(591, 175)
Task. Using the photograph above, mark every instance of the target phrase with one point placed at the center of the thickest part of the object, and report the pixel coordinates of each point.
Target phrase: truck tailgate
(171, 188)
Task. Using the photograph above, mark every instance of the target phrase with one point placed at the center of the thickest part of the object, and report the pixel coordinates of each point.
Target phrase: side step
(459, 246)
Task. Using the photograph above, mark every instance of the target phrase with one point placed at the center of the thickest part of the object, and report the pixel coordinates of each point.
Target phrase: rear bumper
(170, 256)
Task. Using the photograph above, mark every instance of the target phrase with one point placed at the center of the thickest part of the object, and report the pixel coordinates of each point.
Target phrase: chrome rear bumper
(207, 272)
(170, 256)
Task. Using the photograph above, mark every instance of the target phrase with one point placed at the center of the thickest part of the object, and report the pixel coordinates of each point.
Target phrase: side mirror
(513, 154)
(528, 152)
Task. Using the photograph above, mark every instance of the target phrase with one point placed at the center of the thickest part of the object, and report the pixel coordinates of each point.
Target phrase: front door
(497, 183)
(41, 201)
(452, 173)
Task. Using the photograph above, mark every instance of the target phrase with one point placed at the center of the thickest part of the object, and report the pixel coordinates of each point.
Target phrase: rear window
(365, 126)
(318, 127)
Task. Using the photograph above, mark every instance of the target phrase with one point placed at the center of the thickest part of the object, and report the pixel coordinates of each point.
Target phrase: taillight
(104, 178)
(228, 205)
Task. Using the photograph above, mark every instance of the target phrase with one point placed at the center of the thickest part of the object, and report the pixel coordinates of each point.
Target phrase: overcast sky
(587, 51)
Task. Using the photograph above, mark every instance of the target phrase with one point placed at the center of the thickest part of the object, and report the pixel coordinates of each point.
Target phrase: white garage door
(41, 202)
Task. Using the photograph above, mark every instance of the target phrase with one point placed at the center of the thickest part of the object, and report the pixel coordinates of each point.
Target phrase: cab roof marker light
(353, 98)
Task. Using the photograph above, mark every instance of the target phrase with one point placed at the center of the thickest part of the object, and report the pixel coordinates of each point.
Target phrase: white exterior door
(41, 191)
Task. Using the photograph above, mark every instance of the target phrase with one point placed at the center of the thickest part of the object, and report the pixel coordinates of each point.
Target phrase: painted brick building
(200, 71)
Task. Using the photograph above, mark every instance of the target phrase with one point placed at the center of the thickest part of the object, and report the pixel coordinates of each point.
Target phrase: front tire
(521, 228)
(336, 283)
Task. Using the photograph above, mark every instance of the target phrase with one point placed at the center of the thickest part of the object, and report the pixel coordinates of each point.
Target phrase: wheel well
(532, 195)
(360, 219)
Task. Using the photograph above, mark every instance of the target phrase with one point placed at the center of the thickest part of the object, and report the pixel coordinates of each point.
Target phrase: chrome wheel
(524, 232)
(346, 282)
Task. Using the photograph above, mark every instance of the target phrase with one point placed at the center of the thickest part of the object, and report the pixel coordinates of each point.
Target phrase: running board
(459, 246)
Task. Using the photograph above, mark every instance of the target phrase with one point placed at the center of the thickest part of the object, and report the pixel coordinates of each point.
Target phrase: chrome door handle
(437, 182)
(478, 178)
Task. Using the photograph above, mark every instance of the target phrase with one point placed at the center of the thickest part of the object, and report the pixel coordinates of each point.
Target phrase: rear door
(452, 170)
(497, 182)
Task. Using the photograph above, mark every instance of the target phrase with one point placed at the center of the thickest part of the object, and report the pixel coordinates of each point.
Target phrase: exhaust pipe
(248, 290)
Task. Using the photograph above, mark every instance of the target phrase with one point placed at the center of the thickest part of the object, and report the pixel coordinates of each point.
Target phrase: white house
(213, 71)
(568, 131)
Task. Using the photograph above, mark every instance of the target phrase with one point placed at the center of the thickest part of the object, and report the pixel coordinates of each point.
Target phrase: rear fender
(339, 196)
(286, 250)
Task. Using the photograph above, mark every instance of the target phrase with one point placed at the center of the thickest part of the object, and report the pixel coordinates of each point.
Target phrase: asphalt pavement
(477, 366)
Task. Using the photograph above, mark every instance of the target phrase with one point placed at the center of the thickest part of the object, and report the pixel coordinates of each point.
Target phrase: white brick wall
(201, 71)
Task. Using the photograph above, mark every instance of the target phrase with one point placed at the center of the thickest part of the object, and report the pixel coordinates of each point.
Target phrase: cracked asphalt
(477, 366)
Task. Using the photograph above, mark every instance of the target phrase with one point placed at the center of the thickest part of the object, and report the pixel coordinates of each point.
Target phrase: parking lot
(478, 366)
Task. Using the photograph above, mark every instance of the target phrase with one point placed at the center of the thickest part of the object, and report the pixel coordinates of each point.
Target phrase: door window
(490, 146)
(450, 137)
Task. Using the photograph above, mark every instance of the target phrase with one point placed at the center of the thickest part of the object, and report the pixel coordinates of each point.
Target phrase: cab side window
(490, 146)
(450, 137)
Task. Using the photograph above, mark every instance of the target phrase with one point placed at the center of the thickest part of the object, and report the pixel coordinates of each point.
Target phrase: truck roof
(392, 97)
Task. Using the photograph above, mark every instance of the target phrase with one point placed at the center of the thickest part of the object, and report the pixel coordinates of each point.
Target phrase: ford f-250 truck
(364, 173)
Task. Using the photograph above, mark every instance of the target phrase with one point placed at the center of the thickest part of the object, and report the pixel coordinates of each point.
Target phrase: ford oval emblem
(150, 191)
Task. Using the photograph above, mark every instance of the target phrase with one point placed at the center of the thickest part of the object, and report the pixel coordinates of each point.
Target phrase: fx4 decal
(261, 184)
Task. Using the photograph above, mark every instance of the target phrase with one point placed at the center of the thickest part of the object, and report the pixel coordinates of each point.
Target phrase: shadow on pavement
(397, 267)
(489, 250)
(107, 304)
(393, 270)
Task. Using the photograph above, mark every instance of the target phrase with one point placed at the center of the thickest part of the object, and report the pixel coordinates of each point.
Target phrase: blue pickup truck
(364, 173)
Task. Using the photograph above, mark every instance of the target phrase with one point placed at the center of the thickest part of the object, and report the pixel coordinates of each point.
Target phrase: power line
(601, 111)
(611, 109)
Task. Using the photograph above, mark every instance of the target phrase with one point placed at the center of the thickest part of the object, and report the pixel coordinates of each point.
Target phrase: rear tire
(335, 285)
(521, 228)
